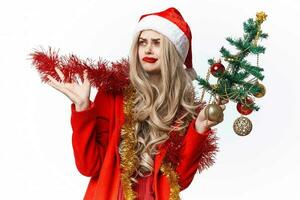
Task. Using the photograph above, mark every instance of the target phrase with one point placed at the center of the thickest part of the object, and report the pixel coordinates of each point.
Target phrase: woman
(148, 142)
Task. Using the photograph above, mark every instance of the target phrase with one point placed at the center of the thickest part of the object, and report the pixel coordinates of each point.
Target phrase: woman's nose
(148, 49)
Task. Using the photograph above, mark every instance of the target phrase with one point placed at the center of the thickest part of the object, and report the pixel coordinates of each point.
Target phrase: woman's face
(149, 46)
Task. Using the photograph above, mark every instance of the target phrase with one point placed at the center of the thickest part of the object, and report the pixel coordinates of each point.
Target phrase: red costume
(95, 139)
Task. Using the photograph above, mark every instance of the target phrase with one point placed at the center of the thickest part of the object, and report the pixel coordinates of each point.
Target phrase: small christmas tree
(239, 82)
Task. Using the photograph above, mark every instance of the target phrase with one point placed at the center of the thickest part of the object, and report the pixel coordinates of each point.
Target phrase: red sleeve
(89, 139)
(198, 150)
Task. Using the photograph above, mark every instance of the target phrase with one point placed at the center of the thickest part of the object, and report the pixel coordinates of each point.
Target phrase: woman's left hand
(203, 124)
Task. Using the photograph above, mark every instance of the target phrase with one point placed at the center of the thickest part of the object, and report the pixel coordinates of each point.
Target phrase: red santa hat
(171, 24)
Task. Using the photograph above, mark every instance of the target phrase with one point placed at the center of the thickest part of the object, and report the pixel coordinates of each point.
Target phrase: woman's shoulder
(108, 99)
(111, 79)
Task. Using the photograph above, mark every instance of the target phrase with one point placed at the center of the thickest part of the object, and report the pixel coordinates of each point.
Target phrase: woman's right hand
(78, 93)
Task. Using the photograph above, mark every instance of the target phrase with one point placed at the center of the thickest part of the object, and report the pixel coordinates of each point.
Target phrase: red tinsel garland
(45, 63)
(209, 150)
(111, 77)
(173, 146)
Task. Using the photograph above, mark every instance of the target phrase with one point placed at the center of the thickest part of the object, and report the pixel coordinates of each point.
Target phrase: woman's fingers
(77, 91)
(77, 79)
(221, 101)
(224, 101)
(56, 84)
(85, 77)
(223, 107)
(60, 74)
(60, 87)
(52, 80)
(71, 95)
(209, 123)
(85, 74)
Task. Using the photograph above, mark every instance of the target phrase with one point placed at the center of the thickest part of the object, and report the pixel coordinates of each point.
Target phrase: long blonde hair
(157, 109)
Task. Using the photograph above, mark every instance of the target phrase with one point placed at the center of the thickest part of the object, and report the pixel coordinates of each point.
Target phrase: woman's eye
(156, 43)
(142, 42)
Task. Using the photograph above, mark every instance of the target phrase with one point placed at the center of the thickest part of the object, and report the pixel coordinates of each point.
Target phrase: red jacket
(95, 140)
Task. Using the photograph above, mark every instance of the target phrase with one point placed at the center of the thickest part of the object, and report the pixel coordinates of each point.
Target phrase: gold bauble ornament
(262, 91)
(242, 126)
(214, 112)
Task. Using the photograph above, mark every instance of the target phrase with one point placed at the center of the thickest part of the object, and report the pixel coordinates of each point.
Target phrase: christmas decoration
(262, 91)
(214, 112)
(111, 77)
(168, 170)
(244, 108)
(217, 69)
(129, 159)
(238, 81)
(242, 126)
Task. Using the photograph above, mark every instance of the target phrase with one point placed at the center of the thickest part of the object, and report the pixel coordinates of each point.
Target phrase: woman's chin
(151, 68)
(152, 71)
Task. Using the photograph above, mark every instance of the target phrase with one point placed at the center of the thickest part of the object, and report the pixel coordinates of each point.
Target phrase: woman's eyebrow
(153, 39)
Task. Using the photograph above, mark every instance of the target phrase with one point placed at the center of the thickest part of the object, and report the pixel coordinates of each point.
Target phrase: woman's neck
(156, 80)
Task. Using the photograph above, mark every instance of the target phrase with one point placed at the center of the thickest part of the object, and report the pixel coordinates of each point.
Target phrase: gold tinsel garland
(129, 161)
(172, 176)
(128, 156)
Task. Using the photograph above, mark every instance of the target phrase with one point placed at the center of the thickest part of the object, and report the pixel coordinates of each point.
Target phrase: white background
(36, 157)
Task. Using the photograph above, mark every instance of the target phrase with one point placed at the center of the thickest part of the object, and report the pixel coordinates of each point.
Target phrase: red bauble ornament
(244, 109)
(217, 69)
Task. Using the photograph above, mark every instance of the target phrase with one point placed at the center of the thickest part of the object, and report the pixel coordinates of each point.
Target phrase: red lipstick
(150, 59)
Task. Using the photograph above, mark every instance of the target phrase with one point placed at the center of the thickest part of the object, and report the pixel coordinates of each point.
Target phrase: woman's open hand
(78, 93)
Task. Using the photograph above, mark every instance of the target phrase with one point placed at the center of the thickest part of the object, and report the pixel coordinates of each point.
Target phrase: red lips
(150, 59)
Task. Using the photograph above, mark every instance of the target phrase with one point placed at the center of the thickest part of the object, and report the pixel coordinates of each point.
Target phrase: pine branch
(257, 49)
(225, 53)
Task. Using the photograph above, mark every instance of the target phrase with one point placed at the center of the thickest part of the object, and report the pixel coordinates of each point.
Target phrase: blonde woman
(148, 142)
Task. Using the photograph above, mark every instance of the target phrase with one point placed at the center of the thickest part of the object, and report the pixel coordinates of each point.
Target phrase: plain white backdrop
(36, 156)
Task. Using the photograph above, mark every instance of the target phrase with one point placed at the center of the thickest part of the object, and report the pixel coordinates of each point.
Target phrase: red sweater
(95, 140)
(143, 189)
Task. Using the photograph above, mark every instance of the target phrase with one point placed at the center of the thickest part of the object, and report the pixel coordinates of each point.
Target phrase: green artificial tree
(240, 80)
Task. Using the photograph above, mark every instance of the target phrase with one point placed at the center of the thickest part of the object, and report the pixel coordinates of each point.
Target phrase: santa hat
(171, 24)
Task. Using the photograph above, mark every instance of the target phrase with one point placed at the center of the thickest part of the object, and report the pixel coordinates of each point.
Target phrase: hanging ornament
(221, 100)
(261, 17)
(245, 109)
(262, 91)
(217, 69)
(242, 126)
(214, 112)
